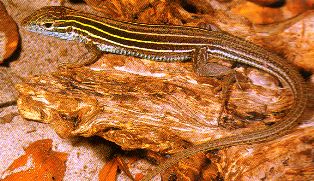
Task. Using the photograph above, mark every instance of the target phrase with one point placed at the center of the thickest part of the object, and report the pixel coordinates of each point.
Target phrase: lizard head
(50, 20)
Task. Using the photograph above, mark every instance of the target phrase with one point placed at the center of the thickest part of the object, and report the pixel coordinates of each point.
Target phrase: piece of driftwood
(287, 158)
(136, 103)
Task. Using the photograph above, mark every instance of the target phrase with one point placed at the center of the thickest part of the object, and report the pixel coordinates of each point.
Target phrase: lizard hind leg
(205, 65)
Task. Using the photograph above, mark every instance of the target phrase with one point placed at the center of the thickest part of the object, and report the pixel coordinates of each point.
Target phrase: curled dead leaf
(38, 163)
(109, 171)
(267, 15)
(267, 2)
(9, 36)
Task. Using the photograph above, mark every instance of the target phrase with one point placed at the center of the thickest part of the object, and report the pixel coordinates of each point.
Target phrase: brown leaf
(186, 169)
(109, 171)
(265, 2)
(139, 176)
(38, 163)
(9, 36)
(124, 167)
(267, 15)
(120, 9)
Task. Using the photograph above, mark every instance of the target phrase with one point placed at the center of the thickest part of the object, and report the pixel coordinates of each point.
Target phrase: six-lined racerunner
(176, 43)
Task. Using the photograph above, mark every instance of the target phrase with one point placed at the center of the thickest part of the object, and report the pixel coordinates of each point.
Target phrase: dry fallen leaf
(38, 163)
(139, 176)
(109, 171)
(265, 2)
(9, 36)
(268, 15)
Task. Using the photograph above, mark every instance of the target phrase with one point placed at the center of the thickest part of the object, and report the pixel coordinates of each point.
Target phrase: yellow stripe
(127, 46)
(142, 33)
(131, 39)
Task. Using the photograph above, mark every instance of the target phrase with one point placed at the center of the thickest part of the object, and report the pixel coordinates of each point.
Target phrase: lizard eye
(47, 25)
